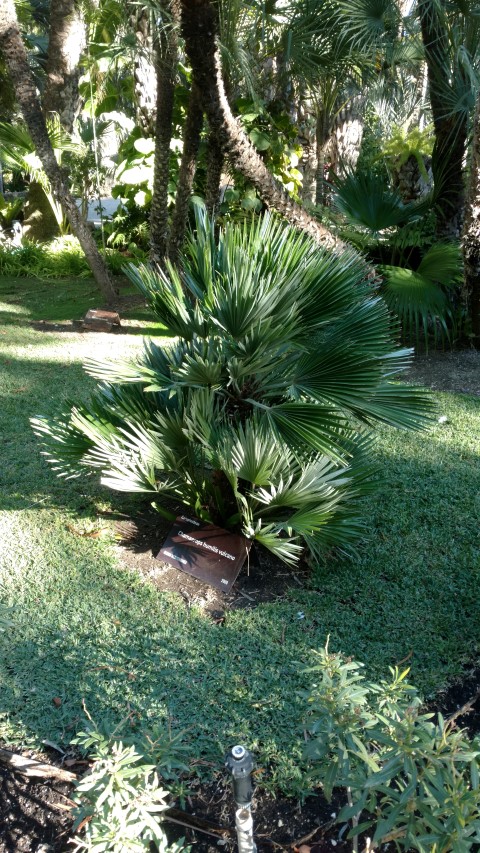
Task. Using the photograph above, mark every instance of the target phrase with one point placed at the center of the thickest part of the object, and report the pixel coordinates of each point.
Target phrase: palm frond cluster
(258, 415)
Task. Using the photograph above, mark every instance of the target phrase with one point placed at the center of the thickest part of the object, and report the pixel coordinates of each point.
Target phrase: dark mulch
(33, 814)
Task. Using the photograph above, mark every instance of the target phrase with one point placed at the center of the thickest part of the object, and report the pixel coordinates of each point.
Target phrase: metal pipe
(240, 763)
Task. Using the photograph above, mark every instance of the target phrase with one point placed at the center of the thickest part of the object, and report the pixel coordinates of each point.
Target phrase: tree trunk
(16, 60)
(166, 65)
(215, 161)
(450, 128)
(471, 235)
(66, 43)
(39, 219)
(191, 142)
(322, 139)
(144, 74)
(199, 30)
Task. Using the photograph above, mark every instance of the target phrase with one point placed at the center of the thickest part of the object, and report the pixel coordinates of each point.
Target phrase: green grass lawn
(88, 631)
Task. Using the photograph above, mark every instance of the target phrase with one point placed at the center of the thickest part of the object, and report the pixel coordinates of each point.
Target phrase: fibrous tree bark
(471, 234)
(450, 126)
(144, 75)
(215, 161)
(16, 61)
(166, 65)
(191, 141)
(324, 130)
(66, 43)
(199, 30)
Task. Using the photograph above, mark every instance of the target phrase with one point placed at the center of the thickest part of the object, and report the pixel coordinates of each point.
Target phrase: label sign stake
(205, 551)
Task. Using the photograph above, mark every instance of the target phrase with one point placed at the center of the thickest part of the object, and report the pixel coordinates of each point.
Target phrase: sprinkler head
(240, 763)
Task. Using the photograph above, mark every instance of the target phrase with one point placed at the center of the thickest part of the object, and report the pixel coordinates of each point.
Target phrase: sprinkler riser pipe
(244, 826)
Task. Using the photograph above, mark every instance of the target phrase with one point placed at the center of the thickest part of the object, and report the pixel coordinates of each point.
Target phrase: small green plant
(120, 801)
(9, 210)
(404, 144)
(409, 780)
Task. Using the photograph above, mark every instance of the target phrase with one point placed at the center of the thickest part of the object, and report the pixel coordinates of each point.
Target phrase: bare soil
(448, 371)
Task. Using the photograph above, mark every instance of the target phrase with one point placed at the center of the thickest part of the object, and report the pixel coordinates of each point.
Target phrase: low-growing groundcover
(88, 631)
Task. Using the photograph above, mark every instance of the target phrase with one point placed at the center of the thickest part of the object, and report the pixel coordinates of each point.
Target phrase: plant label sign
(205, 551)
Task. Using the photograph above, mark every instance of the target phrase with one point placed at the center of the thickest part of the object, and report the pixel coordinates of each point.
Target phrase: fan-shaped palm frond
(365, 199)
(258, 416)
(420, 297)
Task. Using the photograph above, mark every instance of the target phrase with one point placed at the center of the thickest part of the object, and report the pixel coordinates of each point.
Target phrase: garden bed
(108, 623)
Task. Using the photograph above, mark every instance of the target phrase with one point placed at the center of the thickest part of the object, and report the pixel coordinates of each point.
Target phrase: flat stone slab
(96, 320)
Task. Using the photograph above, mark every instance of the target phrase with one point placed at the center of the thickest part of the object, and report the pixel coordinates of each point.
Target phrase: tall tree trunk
(166, 65)
(199, 30)
(322, 139)
(191, 142)
(215, 161)
(16, 61)
(144, 74)
(471, 234)
(66, 43)
(450, 128)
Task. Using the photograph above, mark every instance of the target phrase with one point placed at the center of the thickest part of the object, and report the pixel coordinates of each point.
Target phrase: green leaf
(260, 139)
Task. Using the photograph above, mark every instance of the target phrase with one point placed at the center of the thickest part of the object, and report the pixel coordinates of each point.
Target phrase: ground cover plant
(59, 258)
(88, 631)
(258, 417)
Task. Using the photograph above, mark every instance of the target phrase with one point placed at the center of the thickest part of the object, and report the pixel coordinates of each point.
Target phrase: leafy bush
(257, 418)
(409, 780)
(120, 801)
(61, 258)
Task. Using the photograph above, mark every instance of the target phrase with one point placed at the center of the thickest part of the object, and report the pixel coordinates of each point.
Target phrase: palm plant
(18, 153)
(421, 298)
(420, 294)
(258, 415)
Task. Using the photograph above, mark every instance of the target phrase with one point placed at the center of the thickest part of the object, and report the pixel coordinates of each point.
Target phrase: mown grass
(89, 631)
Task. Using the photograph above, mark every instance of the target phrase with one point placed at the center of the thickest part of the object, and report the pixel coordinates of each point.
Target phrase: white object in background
(443, 420)
(17, 232)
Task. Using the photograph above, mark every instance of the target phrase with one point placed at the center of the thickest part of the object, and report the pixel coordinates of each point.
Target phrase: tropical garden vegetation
(298, 189)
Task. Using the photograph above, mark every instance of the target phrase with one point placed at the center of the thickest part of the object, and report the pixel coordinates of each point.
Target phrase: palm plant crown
(258, 415)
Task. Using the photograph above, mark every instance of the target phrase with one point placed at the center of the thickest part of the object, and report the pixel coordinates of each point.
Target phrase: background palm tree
(16, 61)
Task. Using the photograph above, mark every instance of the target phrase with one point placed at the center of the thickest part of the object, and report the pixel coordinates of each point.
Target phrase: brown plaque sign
(205, 551)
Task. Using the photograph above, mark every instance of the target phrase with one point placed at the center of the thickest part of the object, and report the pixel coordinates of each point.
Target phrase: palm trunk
(322, 137)
(16, 61)
(166, 65)
(215, 161)
(66, 42)
(450, 129)
(199, 30)
(191, 142)
(471, 235)
(144, 76)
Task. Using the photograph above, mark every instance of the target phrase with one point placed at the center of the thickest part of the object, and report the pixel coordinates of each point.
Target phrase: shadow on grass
(89, 631)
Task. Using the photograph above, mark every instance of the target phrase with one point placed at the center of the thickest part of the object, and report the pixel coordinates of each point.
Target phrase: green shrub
(409, 780)
(61, 258)
(120, 801)
(258, 417)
